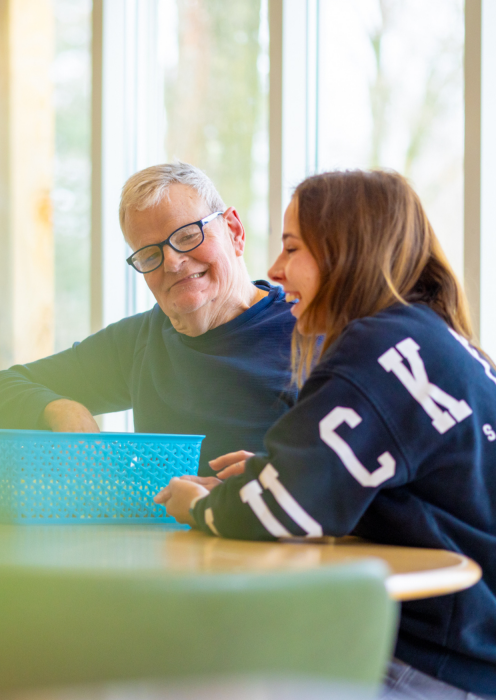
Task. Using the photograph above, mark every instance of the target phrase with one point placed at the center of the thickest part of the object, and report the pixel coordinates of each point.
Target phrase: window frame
(127, 119)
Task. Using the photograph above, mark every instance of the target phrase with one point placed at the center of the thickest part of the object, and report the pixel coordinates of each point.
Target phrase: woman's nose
(276, 272)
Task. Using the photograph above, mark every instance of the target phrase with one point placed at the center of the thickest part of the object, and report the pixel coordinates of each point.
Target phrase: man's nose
(172, 259)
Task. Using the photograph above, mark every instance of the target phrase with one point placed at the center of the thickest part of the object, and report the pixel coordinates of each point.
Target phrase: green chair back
(63, 626)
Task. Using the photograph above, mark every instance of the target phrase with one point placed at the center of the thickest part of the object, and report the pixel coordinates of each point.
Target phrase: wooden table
(415, 573)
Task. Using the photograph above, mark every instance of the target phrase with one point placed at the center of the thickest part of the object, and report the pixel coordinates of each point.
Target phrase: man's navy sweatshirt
(229, 384)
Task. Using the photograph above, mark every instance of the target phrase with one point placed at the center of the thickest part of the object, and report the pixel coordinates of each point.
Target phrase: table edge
(435, 582)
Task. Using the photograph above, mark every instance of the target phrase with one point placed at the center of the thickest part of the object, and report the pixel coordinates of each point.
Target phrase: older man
(211, 357)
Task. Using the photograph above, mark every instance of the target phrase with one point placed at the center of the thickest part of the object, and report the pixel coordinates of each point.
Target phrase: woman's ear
(236, 230)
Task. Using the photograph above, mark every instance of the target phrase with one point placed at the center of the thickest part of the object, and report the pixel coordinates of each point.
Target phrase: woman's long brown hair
(375, 247)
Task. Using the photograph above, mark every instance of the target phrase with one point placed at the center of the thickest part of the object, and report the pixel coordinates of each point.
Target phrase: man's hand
(177, 498)
(230, 464)
(65, 416)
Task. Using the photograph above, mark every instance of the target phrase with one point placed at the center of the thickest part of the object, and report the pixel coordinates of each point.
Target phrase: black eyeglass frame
(201, 223)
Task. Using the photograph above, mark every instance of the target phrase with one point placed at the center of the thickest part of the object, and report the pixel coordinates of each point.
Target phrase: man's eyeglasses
(182, 240)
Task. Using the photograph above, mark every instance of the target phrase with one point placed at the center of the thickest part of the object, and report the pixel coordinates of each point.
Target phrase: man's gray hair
(146, 188)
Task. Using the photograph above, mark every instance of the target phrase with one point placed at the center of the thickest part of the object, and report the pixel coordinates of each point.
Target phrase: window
(390, 94)
(94, 91)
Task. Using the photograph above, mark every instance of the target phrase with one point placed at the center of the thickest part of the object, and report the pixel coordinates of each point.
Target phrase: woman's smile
(292, 296)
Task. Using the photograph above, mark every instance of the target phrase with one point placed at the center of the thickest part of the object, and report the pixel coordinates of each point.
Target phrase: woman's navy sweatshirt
(229, 384)
(393, 439)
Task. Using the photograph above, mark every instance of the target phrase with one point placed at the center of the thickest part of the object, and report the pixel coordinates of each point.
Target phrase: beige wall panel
(5, 272)
(31, 34)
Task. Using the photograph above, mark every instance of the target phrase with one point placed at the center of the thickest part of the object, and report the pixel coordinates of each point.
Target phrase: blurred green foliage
(216, 101)
(72, 171)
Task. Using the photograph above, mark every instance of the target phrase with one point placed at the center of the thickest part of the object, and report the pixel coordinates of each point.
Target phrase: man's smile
(194, 276)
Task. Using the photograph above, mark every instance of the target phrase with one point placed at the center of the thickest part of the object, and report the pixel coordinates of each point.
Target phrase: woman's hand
(177, 497)
(230, 464)
(180, 492)
(208, 482)
(66, 416)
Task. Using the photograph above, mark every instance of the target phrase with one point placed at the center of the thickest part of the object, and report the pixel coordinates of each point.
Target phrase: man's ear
(236, 230)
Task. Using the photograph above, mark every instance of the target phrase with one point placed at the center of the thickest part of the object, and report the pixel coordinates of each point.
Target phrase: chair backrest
(61, 627)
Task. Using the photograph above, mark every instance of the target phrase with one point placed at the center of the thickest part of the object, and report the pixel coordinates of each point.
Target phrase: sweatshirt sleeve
(326, 460)
(95, 372)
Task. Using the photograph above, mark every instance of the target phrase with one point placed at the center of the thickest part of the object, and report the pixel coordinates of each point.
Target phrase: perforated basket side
(8, 496)
(92, 478)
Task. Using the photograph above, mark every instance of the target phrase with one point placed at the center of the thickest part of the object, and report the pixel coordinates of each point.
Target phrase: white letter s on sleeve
(327, 428)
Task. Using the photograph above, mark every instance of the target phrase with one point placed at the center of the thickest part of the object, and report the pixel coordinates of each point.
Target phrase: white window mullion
(312, 87)
(127, 136)
(488, 179)
(480, 175)
(293, 131)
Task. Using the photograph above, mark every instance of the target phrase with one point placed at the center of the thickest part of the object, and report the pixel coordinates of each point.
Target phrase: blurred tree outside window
(72, 170)
(215, 57)
(391, 95)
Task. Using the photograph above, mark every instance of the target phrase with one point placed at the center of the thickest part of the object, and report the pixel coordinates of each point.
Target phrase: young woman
(393, 437)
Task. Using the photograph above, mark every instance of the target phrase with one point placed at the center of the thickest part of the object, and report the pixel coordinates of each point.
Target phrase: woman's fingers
(232, 470)
(229, 459)
(230, 464)
(227, 465)
(164, 494)
(178, 497)
(208, 482)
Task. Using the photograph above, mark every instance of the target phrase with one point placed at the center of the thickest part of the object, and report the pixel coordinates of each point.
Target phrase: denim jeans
(403, 682)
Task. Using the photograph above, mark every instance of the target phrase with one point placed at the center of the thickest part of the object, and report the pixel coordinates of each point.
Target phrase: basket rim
(41, 434)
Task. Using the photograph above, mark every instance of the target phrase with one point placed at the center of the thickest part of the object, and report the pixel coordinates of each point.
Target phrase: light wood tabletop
(159, 550)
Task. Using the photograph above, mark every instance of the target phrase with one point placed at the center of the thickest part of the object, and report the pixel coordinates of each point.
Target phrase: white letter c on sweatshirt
(327, 428)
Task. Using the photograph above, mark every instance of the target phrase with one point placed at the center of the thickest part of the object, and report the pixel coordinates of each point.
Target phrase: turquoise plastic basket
(87, 478)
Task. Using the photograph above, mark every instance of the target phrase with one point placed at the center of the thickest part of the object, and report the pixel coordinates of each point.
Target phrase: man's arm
(91, 378)
(66, 416)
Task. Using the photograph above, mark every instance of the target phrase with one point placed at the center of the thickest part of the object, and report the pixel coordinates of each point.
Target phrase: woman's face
(295, 269)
